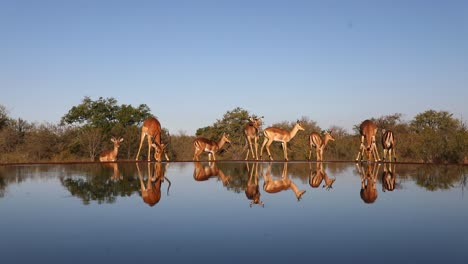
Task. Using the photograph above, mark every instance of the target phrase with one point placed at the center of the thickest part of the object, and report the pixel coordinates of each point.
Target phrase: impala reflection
(317, 176)
(151, 192)
(252, 191)
(368, 191)
(283, 184)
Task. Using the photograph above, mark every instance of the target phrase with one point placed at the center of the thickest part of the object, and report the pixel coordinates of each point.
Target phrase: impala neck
(221, 143)
(293, 132)
(325, 141)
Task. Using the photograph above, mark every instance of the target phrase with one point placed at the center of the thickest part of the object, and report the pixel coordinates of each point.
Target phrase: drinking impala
(316, 141)
(251, 131)
(201, 145)
(280, 135)
(388, 144)
(368, 130)
(152, 130)
(111, 155)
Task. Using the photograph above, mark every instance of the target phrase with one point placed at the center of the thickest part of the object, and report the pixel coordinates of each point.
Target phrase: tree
(232, 123)
(104, 113)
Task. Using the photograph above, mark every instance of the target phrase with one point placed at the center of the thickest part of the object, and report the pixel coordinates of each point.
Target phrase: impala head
(299, 125)
(158, 150)
(328, 134)
(226, 138)
(116, 141)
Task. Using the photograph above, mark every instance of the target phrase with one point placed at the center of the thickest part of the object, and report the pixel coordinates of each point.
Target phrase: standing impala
(315, 141)
(388, 144)
(201, 145)
(152, 130)
(251, 131)
(368, 130)
(111, 155)
(280, 135)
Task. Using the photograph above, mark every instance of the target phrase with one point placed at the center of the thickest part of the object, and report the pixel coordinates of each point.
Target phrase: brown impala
(111, 155)
(318, 175)
(368, 191)
(252, 190)
(152, 130)
(315, 141)
(251, 131)
(201, 145)
(280, 135)
(274, 186)
(388, 144)
(203, 173)
(368, 130)
(151, 193)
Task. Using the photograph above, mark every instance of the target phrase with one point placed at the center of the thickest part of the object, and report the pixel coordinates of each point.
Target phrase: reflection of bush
(99, 188)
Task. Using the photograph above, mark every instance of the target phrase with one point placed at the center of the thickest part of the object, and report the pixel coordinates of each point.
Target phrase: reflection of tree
(435, 178)
(100, 187)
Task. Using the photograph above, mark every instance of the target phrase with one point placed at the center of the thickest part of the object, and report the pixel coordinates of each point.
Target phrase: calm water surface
(233, 212)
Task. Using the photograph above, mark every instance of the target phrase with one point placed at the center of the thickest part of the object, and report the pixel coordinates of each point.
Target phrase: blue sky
(336, 62)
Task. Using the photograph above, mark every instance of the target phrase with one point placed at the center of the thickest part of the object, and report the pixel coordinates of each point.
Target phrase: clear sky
(336, 62)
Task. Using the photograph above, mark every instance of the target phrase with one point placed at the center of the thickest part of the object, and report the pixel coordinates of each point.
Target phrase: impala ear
(121, 139)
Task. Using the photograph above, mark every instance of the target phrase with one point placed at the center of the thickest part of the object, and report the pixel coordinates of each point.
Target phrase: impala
(388, 178)
(111, 155)
(252, 190)
(201, 145)
(251, 131)
(368, 130)
(368, 191)
(274, 186)
(159, 149)
(276, 134)
(203, 173)
(152, 130)
(151, 193)
(388, 144)
(315, 141)
(318, 175)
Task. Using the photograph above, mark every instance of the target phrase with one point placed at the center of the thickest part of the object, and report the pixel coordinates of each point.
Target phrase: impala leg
(317, 153)
(285, 151)
(376, 153)
(250, 147)
(310, 153)
(361, 149)
(263, 145)
(142, 137)
(268, 148)
(256, 147)
(149, 148)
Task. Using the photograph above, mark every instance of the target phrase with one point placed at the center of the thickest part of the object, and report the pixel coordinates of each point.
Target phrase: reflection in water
(203, 173)
(388, 177)
(252, 190)
(318, 175)
(151, 193)
(274, 186)
(115, 171)
(368, 181)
